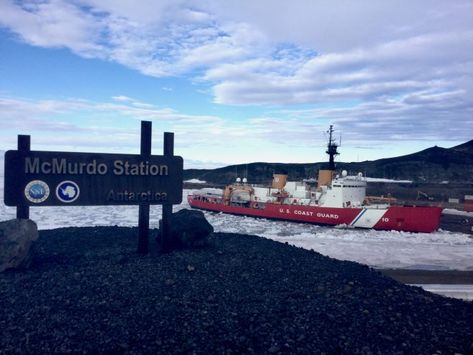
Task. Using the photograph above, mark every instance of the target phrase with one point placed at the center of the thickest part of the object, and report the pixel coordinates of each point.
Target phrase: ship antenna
(331, 149)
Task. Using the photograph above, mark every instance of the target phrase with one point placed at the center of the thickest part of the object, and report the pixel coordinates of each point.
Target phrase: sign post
(167, 207)
(44, 178)
(24, 145)
(143, 209)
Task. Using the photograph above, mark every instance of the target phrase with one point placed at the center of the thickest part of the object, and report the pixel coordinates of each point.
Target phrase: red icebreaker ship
(336, 200)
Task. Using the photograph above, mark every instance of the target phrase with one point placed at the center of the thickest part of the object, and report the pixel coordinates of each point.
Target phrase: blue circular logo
(36, 191)
(67, 191)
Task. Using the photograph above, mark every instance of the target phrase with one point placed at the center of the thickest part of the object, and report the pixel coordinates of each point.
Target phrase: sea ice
(384, 249)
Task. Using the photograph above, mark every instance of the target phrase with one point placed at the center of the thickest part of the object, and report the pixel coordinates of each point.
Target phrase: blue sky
(237, 81)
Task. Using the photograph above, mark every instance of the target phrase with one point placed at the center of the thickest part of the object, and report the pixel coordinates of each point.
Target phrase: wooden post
(143, 212)
(168, 148)
(24, 145)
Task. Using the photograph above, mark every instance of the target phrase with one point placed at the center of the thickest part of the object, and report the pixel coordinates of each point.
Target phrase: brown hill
(434, 164)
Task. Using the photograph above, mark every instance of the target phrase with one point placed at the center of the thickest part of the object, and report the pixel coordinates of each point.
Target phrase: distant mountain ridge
(433, 164)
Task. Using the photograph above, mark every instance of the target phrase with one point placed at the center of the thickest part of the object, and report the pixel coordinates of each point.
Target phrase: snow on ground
(441, 250)
(464, 292)
(386, 249)
(457, 212)
(195, 181)
(370, 179)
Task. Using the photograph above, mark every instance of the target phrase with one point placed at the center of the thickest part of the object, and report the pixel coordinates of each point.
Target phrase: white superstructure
(348, 191)
(342, 192)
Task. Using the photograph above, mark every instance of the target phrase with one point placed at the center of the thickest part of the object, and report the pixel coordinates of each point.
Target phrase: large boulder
(188, 229)
(16, 239)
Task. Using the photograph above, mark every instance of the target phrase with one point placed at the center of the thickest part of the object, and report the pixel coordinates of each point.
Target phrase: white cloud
(388, 69)
(122, 98)
(426, 116)
(63, 119)
(113, 126)
(265, 52)
(144, 11)
(279, 135)
(379, 70)
(342, 25)
(158, 39)
(53, 24)
(18, 113)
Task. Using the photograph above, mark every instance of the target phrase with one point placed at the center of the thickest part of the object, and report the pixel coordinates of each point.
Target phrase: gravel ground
(88, 291)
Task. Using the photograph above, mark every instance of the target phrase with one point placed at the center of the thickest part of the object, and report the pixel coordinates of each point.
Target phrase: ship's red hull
(400, 218)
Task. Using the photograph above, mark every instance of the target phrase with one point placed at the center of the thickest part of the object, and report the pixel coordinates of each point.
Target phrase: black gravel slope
(89, 292)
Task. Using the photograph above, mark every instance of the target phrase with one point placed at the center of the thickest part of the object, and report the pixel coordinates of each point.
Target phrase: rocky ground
(88, 291)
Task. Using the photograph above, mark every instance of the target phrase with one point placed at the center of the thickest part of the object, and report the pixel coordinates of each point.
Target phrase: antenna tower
(331, 149)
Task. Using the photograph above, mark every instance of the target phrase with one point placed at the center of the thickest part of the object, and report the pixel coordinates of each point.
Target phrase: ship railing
(258, 205)
(380, 199)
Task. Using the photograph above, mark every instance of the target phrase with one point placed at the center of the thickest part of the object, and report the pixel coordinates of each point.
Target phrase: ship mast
(331, 149)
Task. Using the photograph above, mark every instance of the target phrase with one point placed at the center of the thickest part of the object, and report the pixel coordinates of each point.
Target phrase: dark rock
(188, 229)
(16, 239)
(121, 260)
(274, 349)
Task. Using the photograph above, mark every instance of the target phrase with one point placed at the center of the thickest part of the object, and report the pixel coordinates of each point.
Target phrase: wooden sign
(39, 178)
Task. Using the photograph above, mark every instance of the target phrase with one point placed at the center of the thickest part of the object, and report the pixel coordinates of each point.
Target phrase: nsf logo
(67, 191)
(37, 191)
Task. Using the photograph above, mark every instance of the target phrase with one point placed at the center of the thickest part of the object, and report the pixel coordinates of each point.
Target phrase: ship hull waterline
(399, 218)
